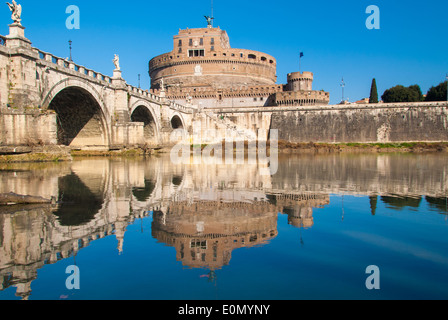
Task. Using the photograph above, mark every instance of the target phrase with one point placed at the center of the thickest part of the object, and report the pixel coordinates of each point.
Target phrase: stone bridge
(45, 99)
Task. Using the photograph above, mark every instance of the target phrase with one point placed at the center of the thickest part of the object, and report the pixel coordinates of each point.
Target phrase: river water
(150, 229)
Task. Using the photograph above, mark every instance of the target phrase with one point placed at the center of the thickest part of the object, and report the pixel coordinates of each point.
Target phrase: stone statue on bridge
(16, 10)
(116, 62)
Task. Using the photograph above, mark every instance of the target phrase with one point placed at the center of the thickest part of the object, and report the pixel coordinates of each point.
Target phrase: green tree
(437, 93)
(373, 92)
(403, 94)
(416, 92)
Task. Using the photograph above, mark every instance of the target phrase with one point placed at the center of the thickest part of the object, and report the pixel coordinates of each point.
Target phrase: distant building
(204, 70)
(363, 101)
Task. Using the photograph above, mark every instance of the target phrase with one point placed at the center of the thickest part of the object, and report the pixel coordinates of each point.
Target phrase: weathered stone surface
(13, 198)
(391, 123)
(15, 150)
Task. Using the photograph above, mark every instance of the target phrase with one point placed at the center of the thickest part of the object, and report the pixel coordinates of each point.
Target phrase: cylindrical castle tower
(203, 57)
(300, 81)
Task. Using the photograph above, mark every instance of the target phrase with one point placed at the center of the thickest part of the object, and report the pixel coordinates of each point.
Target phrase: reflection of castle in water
(205, 233)
(210, 212)
(205, 212)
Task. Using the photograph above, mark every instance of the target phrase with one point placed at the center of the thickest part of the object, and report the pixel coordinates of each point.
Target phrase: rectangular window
(180, 43)
(201, 42)
(212, 48)
(196, 53)
(212, 41)
(190, 42)
(198, 244)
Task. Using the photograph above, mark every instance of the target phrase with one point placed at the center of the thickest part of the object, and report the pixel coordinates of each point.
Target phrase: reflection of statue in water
(212, 276)
(16, 10)
(209, 21)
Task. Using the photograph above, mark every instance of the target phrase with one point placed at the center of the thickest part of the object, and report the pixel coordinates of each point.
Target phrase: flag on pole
(301, 54)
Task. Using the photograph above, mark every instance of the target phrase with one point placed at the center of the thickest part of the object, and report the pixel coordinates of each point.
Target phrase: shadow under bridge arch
(81, 122)
(142, 112)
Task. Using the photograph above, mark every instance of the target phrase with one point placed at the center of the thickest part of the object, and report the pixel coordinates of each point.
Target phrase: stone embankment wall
(404, 122)
(17, 129)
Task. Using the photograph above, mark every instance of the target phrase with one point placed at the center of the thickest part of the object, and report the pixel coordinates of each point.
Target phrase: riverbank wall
(367, 123)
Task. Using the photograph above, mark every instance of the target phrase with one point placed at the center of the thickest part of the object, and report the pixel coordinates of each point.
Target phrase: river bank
(63, 153)
(385, 147)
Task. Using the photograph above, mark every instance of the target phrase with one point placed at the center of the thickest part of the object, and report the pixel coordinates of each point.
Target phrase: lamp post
(70, 47)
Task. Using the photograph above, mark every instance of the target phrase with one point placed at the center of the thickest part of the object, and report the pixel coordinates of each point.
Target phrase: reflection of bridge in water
(205, 212)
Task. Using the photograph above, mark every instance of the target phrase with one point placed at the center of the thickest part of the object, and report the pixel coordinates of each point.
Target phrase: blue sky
(410, 47)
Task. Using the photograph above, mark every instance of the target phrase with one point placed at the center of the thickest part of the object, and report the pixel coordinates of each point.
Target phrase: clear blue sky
(410, 48)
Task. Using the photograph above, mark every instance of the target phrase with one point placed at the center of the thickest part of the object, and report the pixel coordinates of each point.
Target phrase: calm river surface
(149, 229)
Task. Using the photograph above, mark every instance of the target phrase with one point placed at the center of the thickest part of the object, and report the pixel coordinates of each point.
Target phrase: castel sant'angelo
(204, 70)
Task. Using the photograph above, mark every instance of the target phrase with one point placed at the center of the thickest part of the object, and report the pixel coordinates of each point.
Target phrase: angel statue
(16, 10)
(209, 21)
(116, 62)
(162, 86)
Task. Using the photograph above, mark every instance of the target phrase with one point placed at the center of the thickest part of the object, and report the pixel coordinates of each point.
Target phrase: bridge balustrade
(71, 65)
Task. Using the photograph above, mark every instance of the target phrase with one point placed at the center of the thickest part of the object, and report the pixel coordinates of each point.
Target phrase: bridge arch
(177, 121)
(143, 111)
(81, 114)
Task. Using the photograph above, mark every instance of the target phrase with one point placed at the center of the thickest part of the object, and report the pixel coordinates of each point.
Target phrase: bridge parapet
(144, 94)
(178, 107)
(70, 65)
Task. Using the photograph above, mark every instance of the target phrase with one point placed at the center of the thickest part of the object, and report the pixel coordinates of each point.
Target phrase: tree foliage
(403, 94)
(437, 93)
(373, 92)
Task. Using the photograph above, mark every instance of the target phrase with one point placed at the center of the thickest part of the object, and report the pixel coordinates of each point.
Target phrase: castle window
(180, 43)
(180, 51)
(190, 42)
(241, 55)
(196, 53)
(212, 48)
(212, 41)
(252, 56)
(201, 42)
(263, 59)
(198, 244)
